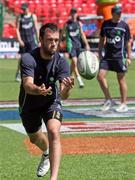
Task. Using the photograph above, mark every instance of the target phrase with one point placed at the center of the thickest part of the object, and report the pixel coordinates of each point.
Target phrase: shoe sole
(43, 174)
(121, 111)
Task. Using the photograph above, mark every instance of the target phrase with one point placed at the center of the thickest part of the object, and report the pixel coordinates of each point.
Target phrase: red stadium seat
(133, 8)
(31, 6)
(60, 1)
(92, 8)
(53, 12)
(127, 8)
(9, 31)
(61, 23)
(10, 4)
(17, 7)
(90, 1)
(38, 10)
(68, 7)
(45, 11)
(131, 1)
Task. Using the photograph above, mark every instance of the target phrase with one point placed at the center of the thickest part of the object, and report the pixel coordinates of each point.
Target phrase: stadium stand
(53, 8)
(9, 31)
(58, 10)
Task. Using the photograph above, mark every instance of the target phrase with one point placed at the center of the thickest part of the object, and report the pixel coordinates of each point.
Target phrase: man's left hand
(68, 82)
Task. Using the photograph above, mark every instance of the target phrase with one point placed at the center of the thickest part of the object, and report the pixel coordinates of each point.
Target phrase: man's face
(74, 15)
(50, 41)
(25, 11)
(117, 16)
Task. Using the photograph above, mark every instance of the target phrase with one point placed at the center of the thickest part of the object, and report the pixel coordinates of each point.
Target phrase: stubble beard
(47, 52)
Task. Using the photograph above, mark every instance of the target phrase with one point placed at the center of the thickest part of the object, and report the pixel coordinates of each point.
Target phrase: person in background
(40, 97)
(115, 38)
(75, 40)
(27, 33)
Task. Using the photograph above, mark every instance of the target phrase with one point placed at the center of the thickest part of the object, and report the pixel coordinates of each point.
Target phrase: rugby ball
(88, 65)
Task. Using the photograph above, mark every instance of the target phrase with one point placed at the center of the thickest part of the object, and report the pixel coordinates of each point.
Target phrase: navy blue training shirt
(117, 35)
(73, 30)
(43, 71)
(27, 29)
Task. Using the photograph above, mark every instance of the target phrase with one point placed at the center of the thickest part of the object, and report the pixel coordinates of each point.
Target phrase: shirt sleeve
(27, 65)
(128, 34)
(63, 69)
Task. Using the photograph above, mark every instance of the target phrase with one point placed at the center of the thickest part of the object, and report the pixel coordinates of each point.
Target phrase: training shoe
(81, 85)
(107, 105)
(43, 166)
(122, 108)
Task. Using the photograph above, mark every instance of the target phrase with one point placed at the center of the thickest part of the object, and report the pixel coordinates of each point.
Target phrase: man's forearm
(65, 94)
(31, 89)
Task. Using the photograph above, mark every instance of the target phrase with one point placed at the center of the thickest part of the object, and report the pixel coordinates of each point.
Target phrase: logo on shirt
(51, 79)
(27, 26)
(118, 33)
(114, 40)
(75, 33)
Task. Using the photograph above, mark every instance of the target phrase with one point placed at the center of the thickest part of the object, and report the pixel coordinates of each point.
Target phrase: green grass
(17, 164)
(9, 88)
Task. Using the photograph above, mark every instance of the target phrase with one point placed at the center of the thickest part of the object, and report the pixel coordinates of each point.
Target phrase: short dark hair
(117, 9)
(51, 26)
(73, 11)
(24, 6)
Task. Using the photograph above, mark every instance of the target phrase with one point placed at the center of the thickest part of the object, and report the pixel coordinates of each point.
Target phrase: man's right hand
(43, 90)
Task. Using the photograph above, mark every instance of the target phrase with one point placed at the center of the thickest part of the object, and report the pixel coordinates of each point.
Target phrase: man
(116, 39)
(39, 97)
(27, 33)
(75, 38)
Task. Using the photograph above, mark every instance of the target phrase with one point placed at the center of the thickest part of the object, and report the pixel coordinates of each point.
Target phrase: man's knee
(36, 137)
(54, 134)
(99, 77)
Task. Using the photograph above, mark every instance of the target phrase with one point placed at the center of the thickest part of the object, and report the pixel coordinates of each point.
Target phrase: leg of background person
(39, 139)
(75, 70)
(122, 86)
(103, 83)
(53, 127)
(18, 76)
(74, 66)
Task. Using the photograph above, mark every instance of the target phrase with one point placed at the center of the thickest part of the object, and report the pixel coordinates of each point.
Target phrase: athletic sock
(46, 152)
(80, 81)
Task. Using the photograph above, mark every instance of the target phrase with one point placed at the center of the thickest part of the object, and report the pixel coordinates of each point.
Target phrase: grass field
(16, 163)
(9, 88)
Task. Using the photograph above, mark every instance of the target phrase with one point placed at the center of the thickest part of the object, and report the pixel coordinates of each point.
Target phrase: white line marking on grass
(19, 127)
(96, 112)
(117, 126)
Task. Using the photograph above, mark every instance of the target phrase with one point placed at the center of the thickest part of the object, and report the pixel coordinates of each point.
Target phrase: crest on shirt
(118, 33)
(51, 79)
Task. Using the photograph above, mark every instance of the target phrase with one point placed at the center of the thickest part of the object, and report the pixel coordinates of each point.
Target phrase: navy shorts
(28, 47)
(32, 119)
(75, 52)
(118, 66)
